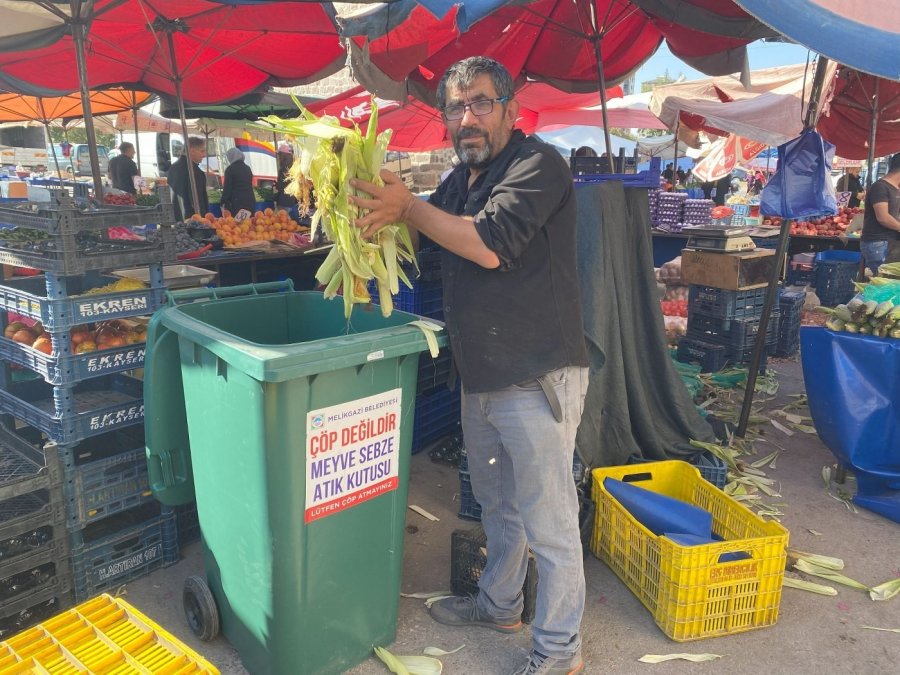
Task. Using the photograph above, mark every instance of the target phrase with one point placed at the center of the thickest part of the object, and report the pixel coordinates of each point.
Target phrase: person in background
(505, 221)
(122, 169)
(669, 173)
(179, 180)
(723, 186)
(237, 192)
(284, 160)
(851, 183)
(881, 219)
(680, 175)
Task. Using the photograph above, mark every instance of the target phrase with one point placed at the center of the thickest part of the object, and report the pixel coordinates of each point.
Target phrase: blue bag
(801, 186)
(660, 513)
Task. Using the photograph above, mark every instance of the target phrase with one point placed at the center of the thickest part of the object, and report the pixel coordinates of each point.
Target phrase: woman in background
(238, 192)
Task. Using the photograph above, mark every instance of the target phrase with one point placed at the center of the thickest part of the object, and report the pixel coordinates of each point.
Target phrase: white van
(158, 150)
(78, 163)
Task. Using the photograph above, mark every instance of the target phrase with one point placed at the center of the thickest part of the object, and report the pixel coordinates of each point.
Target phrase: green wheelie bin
(292, 428)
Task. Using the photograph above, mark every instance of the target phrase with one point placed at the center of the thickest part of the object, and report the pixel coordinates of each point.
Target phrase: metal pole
(53, 150)
(78, 32)
(869, 176)
(760, 343)
(137, 135)
(601, 79)
(195, 200)
(675, 161)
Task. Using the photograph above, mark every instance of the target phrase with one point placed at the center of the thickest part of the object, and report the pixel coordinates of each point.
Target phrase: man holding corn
(505, 220)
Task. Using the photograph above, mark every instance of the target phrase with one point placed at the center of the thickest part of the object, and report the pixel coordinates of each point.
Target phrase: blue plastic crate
(187, 520)
(791, 303)
(112, 479)
(50, 301)
(709, 356)
(433, 373)
(835, 273)
(122, 548)
(70, 414)
(735, 334)
(723, 304)
(425, 298)
(711, 467)
(73, 368)
(436, 415)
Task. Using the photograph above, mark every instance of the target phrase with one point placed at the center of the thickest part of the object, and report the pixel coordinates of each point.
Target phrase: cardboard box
(731, 271)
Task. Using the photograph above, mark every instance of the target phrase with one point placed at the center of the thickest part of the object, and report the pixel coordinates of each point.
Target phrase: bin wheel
(200, 608)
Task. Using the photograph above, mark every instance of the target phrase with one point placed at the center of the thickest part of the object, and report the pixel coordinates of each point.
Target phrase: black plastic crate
(60, 303)
(30, 575)
(425, 298)
(68, 258)
(436, 415)
(34, 607)
(188, 522)
(710, 357)
(62, 215)
(834, 281)
(711, 467)
(70, 414)
(103, 475)
(469, 508)
(723, 304)
(123, 547)
(791, 303)
(433, 373)
(800, 274)
(468, 556)
(32, 511)
(735, 334)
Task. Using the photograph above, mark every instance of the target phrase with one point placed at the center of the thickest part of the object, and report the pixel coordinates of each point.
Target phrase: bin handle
(189, 295)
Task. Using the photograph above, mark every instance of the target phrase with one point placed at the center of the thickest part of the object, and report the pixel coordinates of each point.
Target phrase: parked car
(78, 162)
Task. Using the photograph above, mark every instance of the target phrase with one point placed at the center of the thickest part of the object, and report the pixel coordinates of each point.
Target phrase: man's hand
(388, 204)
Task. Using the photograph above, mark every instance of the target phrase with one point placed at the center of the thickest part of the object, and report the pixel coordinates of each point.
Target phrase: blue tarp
(853, 386)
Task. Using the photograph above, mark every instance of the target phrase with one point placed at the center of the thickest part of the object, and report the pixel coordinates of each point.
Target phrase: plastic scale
(716, 238)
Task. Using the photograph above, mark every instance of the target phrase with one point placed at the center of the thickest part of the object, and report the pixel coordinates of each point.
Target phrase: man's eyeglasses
(484, 106)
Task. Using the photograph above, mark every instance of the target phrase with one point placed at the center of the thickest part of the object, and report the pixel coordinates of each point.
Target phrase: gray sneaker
(462, 611)
(539, 664)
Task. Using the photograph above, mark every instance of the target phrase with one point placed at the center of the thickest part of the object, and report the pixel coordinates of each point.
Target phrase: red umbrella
(862, 118)
(418, 127)
(207, 51)
(575, 45)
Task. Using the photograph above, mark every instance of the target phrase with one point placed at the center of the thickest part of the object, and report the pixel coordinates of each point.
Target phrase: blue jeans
(874, 253)
(520, 462)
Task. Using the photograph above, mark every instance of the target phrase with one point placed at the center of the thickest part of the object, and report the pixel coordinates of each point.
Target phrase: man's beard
(472, 157)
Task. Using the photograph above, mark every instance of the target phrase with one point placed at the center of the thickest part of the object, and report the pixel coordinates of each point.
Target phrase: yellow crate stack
(102, 635)
(689, 592)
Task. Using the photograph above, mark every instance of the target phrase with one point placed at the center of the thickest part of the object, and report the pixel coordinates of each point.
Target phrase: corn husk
(838, 578)
(409, 665)
(694, 658)
(885, 591)
(426, 595)
(429, 329)
(886, 630)
(802, 585)
(825, 561)
(435, 651)
(435, 598)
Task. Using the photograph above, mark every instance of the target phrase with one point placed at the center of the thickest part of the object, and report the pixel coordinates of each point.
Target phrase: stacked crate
(722, 327)
(791, 305)
(437, 408)
(81, 411)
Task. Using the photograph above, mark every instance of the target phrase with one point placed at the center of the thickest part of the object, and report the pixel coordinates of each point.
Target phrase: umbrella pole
(78, 30)
(601, 80)
(675, 161)
(53, 150)
(179, 97)
(137, 135)
(869, 176)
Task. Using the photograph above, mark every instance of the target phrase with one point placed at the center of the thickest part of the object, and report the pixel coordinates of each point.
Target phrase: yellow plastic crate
(689, 592)
(102, 635)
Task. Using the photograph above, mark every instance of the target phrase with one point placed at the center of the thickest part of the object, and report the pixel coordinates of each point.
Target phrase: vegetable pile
(875, 310)
(331, 156)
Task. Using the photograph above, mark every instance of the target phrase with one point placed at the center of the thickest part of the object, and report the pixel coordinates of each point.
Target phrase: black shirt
(121, 169)
(512, 324)
(180, 184)
(881, 191)
(238, 192)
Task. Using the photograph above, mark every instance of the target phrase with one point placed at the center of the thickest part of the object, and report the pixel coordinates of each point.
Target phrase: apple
(86, 346)
(13, 328)
(43, 344)
(25, 336)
